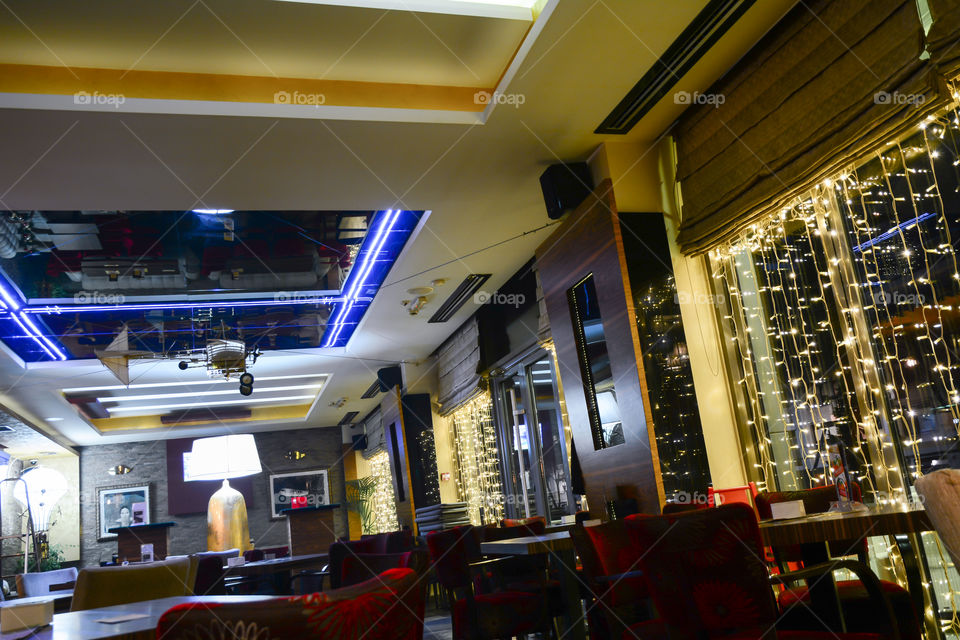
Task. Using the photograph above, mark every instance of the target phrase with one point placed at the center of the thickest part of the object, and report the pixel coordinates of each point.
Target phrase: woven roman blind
(943, 39)
(457, 362)
(829, 82)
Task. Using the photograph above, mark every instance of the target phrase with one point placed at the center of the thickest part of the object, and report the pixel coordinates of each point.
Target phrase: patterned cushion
(386, 607)
(503, 614)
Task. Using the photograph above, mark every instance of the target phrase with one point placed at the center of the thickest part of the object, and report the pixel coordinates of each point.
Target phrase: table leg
(573, 626)
(824, 599)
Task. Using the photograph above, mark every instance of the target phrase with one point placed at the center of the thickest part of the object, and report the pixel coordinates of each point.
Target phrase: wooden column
(589, 242)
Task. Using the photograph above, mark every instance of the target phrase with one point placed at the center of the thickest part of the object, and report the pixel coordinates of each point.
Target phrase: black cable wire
(472, 253)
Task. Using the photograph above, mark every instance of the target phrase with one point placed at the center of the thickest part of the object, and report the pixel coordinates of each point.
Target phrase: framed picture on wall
(121, 506)
(298, 489)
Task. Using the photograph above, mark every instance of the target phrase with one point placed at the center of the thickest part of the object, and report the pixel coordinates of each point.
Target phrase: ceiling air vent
(372, 390)
(701, 34)
(348, 418)
(460, 296)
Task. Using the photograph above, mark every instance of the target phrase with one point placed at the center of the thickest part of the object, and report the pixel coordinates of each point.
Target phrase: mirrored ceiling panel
(174, 284)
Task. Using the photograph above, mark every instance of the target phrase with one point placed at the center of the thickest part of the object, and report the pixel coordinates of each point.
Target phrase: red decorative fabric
(386, 607)
(615, 548)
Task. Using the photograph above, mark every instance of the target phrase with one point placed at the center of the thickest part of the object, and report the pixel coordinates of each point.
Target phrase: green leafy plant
(53, 559)
(358, 496)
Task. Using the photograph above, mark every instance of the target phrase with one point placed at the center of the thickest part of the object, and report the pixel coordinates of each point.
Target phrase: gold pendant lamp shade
(221, 458)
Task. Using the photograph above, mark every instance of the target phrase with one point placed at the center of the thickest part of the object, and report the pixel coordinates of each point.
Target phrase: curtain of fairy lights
(843, 311)
(382, 502)
(479, 482)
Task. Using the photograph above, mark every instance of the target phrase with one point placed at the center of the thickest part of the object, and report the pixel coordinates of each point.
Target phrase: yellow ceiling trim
(144, 423)
(103, 85)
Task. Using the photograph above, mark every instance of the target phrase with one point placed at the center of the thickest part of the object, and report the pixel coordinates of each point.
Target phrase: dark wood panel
(589, 241)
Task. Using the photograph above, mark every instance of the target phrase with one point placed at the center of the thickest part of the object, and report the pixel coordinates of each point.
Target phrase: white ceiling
(479, 181)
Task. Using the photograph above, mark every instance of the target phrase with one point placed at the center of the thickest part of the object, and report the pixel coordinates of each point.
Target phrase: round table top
(850, 525)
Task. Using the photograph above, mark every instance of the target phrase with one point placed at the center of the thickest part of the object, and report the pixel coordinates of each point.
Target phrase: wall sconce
(119, 470)
(294, 455)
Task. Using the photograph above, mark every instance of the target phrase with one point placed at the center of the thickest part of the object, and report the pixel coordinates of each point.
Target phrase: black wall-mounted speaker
(565, 186)
(360, 442)
(389, 378)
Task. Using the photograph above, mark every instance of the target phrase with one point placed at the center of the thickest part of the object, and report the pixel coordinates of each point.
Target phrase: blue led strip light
(356, 281)
(164, 306)
(11, 302)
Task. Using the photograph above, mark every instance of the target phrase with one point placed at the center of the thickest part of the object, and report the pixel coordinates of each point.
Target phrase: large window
(842, 315)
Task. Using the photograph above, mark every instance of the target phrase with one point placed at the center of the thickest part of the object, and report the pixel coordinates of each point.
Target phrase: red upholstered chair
(858, 608)
(343, 548)
(361, 567)
(526, 573)
(707, 577)
(730, 495)
(478, 614)
(386, 607)
(536, 524)
(615, 588)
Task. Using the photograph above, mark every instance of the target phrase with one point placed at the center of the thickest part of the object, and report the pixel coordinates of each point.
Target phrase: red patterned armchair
(386, 607)
(616, 590)
(706, 574)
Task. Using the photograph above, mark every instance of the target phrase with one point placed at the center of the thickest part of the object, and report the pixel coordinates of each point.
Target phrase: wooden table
(559, 546)
(281, 568)
(278, 565)
(811, 533)
(83, 625)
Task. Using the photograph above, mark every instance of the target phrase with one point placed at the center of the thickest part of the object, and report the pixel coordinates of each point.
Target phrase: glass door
(536, 465)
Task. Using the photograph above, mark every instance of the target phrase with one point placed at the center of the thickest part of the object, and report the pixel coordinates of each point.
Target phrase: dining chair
(707, 577)
(107, 586)
(385, 607)
(858, 608)
(730, 495)
(45, 582)
(614, 585)
(478, 611)
(941, 499)
(363, 566)
(526, 573)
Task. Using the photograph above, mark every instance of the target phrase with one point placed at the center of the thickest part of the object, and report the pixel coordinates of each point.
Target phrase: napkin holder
(788, 509)
(14, 617)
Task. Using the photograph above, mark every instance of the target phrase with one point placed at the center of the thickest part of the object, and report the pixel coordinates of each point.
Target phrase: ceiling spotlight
(339, 402)
(119, 470)
(413, 306)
